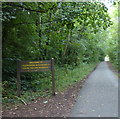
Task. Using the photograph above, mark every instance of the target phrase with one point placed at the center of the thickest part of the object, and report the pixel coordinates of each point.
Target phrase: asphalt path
(99, 95)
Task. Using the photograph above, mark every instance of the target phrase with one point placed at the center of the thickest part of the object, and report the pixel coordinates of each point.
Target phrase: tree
(66, 31)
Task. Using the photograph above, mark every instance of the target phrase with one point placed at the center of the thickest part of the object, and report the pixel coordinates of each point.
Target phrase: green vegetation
(110, 37)
(73, 33)
(72, 75)
(41, 87)
(113, 48)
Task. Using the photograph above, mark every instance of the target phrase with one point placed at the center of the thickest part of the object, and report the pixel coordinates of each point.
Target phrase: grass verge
(41, 87)
(66, 78)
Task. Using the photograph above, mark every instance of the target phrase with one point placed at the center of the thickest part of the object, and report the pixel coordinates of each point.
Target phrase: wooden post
(53, 79)
(18, 79)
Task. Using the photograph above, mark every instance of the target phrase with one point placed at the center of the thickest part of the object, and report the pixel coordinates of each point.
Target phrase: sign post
(35, 66)
(53, 79)
(18, 79)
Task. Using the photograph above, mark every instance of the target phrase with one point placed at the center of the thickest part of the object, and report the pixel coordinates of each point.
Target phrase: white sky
(108, 4)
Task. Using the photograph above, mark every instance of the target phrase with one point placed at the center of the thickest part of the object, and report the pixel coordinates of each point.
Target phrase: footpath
(99, 95)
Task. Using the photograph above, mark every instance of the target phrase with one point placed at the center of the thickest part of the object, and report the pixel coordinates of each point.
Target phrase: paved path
(99, 95)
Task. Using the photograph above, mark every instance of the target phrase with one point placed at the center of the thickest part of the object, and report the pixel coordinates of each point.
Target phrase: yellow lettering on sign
(36, 65)
(36, 62)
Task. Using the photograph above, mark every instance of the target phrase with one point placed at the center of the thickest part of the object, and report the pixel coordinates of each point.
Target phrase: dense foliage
(66, 31)
(113, 49)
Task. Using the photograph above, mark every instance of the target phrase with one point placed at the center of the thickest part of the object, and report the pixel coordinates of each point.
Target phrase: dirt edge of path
(110, 65)
(57, 106)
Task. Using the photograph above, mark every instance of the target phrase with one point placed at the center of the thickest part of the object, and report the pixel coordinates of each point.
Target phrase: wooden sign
(35, 66)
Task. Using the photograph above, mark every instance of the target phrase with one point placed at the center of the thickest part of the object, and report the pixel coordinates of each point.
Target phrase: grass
(41, 87)
(72, 76)
(115, 68)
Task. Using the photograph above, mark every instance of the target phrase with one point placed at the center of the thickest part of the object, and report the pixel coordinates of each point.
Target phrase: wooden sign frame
(35, 66)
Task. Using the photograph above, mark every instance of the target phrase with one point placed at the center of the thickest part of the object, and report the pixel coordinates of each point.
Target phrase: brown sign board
(35, 66)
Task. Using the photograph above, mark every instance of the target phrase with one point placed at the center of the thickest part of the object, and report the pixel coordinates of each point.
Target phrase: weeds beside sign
(35, 66)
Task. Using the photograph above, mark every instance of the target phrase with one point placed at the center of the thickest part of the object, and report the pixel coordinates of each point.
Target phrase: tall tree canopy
(66, 31)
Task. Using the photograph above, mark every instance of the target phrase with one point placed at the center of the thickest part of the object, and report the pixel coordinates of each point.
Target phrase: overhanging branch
(32, 10)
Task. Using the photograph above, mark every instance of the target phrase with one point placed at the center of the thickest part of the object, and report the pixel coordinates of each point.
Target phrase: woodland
(78, 35)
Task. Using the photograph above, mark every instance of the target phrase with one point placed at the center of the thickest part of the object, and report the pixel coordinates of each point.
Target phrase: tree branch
(28, 9)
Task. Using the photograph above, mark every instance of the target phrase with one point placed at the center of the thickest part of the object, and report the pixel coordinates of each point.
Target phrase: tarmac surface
(99, 95)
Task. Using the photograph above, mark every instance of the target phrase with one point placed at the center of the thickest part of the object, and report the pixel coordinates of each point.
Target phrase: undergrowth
(41, 87)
